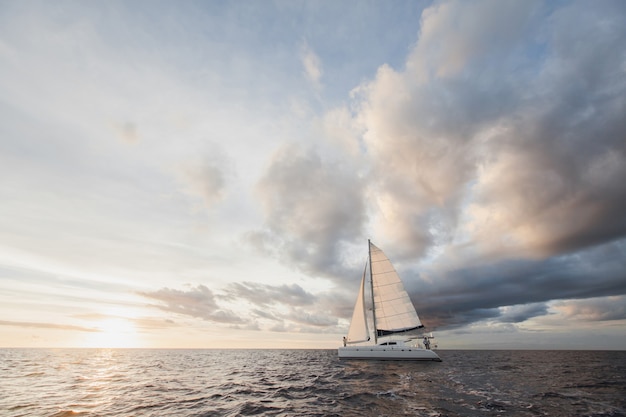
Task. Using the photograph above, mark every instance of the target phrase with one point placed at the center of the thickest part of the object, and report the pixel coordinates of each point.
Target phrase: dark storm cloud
(463, 296)
(197, 302)
(520, 313)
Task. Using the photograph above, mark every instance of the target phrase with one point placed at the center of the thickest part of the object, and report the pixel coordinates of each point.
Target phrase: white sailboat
(394, 319)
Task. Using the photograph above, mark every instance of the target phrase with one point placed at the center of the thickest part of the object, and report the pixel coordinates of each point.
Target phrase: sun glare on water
(114, 332)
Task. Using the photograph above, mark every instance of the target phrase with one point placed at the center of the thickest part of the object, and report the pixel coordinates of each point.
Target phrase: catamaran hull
(387, 353)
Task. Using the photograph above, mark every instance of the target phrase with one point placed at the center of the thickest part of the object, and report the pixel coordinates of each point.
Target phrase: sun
(114, 332)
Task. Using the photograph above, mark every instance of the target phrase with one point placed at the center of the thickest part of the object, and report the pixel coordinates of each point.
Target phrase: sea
(152, 382)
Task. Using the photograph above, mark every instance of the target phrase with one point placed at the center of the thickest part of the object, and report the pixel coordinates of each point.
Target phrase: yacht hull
(389, 353)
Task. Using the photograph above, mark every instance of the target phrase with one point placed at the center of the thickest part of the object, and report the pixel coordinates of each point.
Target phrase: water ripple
(164, 383)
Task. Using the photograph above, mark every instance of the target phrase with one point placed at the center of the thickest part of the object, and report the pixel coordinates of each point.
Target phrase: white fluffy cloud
(474, 141)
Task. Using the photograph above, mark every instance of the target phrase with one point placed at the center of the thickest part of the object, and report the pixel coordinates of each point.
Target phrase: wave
(312, 383)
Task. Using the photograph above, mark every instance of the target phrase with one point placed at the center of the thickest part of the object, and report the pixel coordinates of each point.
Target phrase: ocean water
(119, 382)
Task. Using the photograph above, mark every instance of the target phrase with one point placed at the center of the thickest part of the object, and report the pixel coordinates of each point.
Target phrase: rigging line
(398, 298)
(386, 285)
(401, 314)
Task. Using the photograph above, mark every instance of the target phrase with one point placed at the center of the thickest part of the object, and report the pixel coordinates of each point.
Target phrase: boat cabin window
(388, 343)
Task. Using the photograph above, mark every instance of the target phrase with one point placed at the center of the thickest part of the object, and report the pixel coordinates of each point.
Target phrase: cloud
(128, 132)
(489, 152)
(264, 314)
(288, 307)
(142, 323)
(553, 185)
(455, 35)
(593, 309)
(495, 155)
(39, 325)
(204, 178)
(520, 313)
(312, 65)
(514, 289)
(148, 323)
(509, 141)
(198, 302)
(302, 308)
(305, 322)
(312, 206)
(312, 319)
(265, 295)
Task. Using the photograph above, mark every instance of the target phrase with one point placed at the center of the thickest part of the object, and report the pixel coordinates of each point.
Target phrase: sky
(206, 174)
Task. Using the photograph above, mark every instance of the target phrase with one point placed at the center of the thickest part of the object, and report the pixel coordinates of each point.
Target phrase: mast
(369, 251)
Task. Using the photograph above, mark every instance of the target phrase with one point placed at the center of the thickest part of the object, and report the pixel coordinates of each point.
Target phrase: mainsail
(358, 331)
(393, 310)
